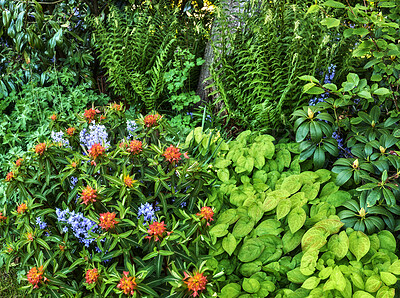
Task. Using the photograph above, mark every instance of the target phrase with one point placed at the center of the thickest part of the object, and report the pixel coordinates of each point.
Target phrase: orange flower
(10, 249)
(53, 117)
(123, 144)
(195, 283)
(73, 164)
(90, 114)
(116, 106)
(207, 213)
(129, 181)
(61, 247)
(29, 236)
(151, 120)
(2, 218)
(157, 230)
(127, 284)
(172, 154)
(9, 176)
(88, 195)
(96, 150)
(70, 131)
(92, 275)
(39, 149)
(19, 162)
(135, 147)
(35, 276)
(107, 220)
(22, 208)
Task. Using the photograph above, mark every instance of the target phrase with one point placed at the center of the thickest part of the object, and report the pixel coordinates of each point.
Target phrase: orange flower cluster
(2, 218)
(71, 131)
(107, 220)
(156, 230)
(127, 284)
(18, 163)
(96, 150)
(207, 213)
(90, 114)
(29, 236)
(9, 176)
(88, 195)
(35, 276)
(73, 164)
(116, 106)
(39, 149)
(151, 120)
(92, 275)
(53, 117)
(123, 144)
(195, 283)
(61, 247)
(172, 154)
(135, 147)
(22, 208)
(129, 181)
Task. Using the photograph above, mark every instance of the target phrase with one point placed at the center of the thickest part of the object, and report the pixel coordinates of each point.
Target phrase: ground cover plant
(155, 190)
(277, 232)
(109, 207)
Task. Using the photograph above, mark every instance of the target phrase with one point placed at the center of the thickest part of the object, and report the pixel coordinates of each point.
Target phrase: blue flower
(57, 137)
(131, 126)
(42, 225)
(80, 225)
(147, 211)
(96, 134)
(74, 181)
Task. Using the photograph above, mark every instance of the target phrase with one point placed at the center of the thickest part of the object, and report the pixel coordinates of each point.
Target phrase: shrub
(277, 233)
(108, 210)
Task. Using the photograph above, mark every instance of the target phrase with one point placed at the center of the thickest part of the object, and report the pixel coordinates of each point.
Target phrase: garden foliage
(260, 49)
(277, 233)
(137, 46)
(107, 207)
(357, 120)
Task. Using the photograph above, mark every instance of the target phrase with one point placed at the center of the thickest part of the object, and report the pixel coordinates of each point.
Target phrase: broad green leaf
(219, 230)
(231, 291)
(334, 4)
(373, 283)
(311, 283)
(229, 244)
(359, 244)
(339, 245)
(251, 250)
(251, 285)
(283, 208)
(388, 278)
(330, 22)
(314, 238)
(296, 219)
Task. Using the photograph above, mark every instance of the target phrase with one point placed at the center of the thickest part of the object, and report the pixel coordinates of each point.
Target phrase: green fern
(136, 46)
(257, 64)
